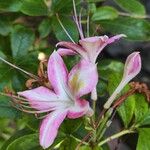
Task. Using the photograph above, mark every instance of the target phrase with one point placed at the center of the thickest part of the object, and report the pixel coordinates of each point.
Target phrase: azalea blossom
(131, 69)
(88, 48)
(64, 99)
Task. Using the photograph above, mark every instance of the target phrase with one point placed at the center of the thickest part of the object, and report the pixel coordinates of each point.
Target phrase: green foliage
(34, 8)
(135, 29)
(5, 26)
(10, 5)
(45, 27)
(143, 141)
(21, 40)
(26, 142)
(28, 27)
(134, 7)
(70, 27)
(105, 13)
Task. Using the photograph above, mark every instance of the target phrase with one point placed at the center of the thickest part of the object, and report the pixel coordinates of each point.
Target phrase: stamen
(88, 26)
(64, 29)
(76, 20)
(12, 65)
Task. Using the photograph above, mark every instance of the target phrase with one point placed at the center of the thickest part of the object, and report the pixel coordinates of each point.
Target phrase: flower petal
(41, 98)
(80, 108)
(57, 73)
(49, 127)
(74, 47)
(83, 78)
(132, 66)
(65, 51)
(116, 37)
(94, 45)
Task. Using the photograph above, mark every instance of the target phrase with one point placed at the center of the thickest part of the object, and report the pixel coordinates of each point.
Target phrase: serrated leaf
(21, 40)
(45, 27)
(132, 6)
(135, 29)
(10, 5)
(143, 140)
(34, 8)
(105, 13)
(69, 26)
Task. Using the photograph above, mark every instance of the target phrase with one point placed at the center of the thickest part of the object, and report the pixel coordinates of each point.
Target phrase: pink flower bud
(132, 66)
(131, 69)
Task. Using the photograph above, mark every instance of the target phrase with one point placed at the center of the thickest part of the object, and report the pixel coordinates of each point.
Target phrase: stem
(103, 126)
(12, 65)
(117, 135)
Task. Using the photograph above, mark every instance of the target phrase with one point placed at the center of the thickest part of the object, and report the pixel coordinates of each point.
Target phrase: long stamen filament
(14, 66)
(64, 29)
(76, 20)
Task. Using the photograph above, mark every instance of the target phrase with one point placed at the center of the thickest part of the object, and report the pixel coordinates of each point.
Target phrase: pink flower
(88, 48)
(64, 100)
(131, 69)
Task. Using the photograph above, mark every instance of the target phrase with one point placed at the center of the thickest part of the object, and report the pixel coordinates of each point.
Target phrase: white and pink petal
(57, 74)
(49, 127)
(41, 98)
(83, 78)
(80, 109)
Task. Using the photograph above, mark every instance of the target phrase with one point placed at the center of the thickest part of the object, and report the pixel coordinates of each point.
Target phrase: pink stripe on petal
(132, 66)
(74, 47)
(57, 73)
(41, 98)
(65, 51)
(83, 78)
(49, 127)
(80, 109)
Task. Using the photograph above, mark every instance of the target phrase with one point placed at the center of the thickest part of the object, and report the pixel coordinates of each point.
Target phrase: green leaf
(26, 142)
(143, 140)
(5, 26)
(69, 143)
(34, 8)
(141, 107)
(6, 109)
(45, 27)
(146, 119)
(17, 135)
(70, 126)
(21, 40)
(126, 110)
(107, 67)
(63, 6)
(10, 5)
(105, 13)
(69, 26)
(135, 29)
(133, 7)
